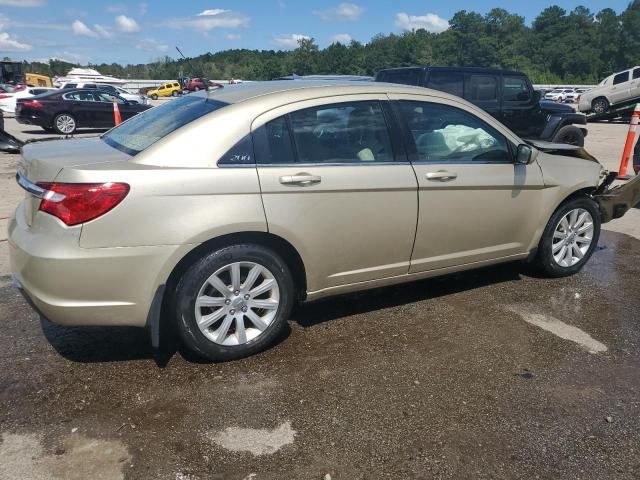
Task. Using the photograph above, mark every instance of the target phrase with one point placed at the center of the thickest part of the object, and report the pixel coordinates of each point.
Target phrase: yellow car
(172, 89)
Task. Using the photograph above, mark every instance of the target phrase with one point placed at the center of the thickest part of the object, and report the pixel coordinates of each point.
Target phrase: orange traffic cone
(116, 113)
(628, 146)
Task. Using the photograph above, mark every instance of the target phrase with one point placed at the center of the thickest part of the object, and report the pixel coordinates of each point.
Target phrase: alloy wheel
(237, 303)
(65, 123)
(572, 237)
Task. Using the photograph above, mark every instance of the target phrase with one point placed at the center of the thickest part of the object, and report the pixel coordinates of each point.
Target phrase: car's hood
(562, 149)
(554, 107)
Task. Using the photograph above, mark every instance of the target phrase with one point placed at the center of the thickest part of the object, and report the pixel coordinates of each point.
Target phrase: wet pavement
(495, 373)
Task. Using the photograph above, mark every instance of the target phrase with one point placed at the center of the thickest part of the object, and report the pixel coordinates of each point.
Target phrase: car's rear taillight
(76, 203)
(31, 103)
(5, 95)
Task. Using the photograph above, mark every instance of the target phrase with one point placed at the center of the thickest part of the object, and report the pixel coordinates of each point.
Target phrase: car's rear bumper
(26, 118)
(70, 285)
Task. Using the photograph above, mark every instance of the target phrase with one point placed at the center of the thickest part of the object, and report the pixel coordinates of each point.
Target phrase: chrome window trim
(463, 162)
(319, 164)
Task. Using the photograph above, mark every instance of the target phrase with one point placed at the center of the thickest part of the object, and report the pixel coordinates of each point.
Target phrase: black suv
(506, 95)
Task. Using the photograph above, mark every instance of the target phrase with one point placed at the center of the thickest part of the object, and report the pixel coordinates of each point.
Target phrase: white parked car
(132, 97)
(616, 89)
(8, 100)
(559, 94)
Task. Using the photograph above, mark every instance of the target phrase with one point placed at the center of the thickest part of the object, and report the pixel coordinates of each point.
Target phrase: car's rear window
(147, 128)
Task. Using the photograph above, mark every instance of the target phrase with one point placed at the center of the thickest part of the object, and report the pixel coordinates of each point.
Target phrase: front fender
(556, 121)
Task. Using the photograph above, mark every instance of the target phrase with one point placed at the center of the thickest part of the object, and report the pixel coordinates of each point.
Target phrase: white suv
(614, 90)
(559, 94)
(132, 97)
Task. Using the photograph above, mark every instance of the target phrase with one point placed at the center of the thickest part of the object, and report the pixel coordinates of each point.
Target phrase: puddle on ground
(22, 456)
(561, 329)
(254, 440)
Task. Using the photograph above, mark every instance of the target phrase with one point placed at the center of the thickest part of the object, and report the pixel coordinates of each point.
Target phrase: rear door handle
(302, 179)
(441, 176)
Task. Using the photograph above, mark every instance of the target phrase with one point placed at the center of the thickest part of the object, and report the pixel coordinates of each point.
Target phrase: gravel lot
(495, 373)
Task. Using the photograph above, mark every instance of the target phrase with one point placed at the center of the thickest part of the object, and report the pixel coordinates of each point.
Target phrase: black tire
(62, 132)
(544, 259)
(195, 277)
(600, 105)
(196, 89)
(174, 93)
(154, 96)
(571, 135)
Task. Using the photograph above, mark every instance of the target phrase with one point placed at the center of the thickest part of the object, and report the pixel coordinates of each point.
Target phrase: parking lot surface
(495, 373)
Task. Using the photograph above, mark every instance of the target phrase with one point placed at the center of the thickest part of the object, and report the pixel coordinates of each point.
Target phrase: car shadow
(314, 313)
(120, 344)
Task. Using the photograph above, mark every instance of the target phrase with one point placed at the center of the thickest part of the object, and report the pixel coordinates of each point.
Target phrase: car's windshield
(145, 129)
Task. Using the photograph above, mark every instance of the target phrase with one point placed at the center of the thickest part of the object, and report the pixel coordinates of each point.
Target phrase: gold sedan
(219, 210)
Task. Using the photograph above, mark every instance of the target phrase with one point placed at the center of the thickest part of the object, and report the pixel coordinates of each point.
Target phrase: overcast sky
(136, 32)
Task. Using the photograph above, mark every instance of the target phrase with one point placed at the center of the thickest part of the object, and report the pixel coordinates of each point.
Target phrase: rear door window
(273, 142)
(350, 132)
(449, 82)
(516, 89)
(636, 73)
(482, 88)
(621, 78)
(341, 133)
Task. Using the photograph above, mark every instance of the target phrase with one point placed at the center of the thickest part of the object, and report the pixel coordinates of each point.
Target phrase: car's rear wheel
(233, 302)
(64, 124)
(600, 105)
(570, 237)
(154, 96)
(196, 89)
(174, 93)
(569, 134)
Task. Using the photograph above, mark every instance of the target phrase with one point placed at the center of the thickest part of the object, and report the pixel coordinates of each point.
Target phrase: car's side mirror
(524, 154)
(537, 95)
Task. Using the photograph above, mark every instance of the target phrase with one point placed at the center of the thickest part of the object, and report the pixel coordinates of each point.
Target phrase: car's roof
(491, 71)
(248, 90)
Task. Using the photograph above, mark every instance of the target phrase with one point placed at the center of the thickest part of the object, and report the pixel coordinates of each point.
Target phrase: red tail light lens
(32, 103)
(76, 203)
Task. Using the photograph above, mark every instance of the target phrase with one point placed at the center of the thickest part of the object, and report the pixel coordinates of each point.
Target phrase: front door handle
(302, 179)
(441, 176)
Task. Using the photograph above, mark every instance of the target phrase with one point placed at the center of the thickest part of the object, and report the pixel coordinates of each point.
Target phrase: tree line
(579, 46)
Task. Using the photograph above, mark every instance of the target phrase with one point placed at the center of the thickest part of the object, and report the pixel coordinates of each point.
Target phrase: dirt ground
(495, 373)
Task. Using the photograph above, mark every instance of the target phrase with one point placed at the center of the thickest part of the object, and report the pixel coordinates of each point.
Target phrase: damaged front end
(615, 201)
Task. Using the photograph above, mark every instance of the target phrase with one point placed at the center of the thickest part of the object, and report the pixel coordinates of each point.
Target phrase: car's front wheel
(570, 237)
(600, 105)
(234, 302)
(64, 124)
(154, 96)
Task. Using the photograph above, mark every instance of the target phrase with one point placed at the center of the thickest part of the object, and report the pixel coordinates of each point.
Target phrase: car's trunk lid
(43, 161)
